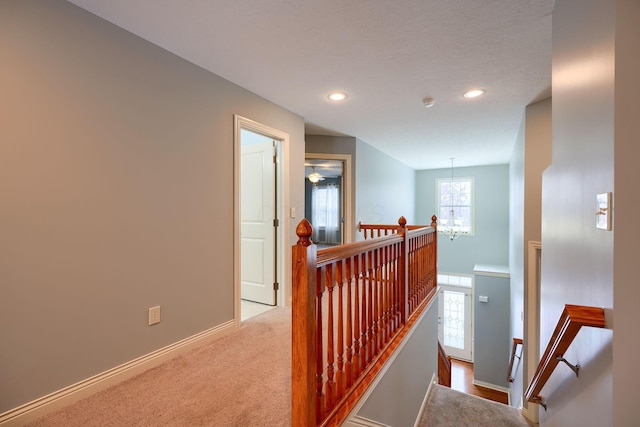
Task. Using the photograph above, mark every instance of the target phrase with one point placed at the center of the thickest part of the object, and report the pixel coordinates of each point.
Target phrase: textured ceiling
(387, 55)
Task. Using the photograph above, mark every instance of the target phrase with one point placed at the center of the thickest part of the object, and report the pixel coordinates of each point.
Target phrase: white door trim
(282, 188)
(531, 336)
(347, 179)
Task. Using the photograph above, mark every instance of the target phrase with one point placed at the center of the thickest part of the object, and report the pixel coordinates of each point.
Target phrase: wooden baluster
(425, 270)
(388, 302)
(375, 313)
(385, 295)
(330, 392)
(384, 303)
(340, 348)
(398, 283)
(412, 277)
(349, 365)
(381, 325)
(370, 343)
(394, 287)
(357, 352)
(364, 343)
(320, 395)
(389, 273)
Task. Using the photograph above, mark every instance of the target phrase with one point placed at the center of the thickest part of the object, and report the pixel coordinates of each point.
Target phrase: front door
(454, 321)
(258, 220)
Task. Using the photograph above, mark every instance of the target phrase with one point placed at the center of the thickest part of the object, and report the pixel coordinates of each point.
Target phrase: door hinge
(275, 159)
(276, 222)
(276, 286)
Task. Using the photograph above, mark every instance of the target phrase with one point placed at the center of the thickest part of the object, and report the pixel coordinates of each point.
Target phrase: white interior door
(454, 321)
(258, 222)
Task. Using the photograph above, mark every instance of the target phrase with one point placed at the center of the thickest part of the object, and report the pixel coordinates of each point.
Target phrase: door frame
(469, 337)
(282, 189)
(531, 328)
(347, 193)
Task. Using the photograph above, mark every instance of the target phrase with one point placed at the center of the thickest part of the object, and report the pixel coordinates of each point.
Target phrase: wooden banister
(351, 305)
(573, 318)
(370, 231)
(514, 347)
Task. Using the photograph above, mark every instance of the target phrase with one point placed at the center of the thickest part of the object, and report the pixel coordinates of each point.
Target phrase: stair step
(448, 408)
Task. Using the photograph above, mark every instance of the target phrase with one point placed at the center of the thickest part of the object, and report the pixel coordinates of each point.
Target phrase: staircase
(445, 407)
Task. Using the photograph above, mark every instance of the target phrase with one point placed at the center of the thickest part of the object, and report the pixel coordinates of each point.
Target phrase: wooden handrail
(351, 305)
(573, 318)
(371, 231)
(516, 343)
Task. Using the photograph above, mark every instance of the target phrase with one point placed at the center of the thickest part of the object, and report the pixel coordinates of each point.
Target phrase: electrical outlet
(154, 315)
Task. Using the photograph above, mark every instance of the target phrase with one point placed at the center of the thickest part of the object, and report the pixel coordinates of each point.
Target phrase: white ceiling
(387, 55)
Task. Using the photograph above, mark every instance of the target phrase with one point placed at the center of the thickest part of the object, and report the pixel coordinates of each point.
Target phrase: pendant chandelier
(314, 177)
(452, 226)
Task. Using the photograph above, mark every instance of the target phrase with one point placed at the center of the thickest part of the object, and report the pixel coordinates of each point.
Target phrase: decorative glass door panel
(454, 321)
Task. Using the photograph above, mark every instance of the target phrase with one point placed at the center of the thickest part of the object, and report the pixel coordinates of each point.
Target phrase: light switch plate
(603, 214)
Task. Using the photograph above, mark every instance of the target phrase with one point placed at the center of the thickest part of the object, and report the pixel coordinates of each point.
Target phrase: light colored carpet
(450, 408)
(222, 383)
(225, 383)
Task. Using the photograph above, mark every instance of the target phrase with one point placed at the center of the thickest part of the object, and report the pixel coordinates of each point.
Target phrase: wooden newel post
(404, 270)
(434, 224)
(303, 377)
(402, 222)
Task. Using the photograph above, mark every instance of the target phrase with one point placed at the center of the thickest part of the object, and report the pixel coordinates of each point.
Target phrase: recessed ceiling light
(473, 93)
(337, 96)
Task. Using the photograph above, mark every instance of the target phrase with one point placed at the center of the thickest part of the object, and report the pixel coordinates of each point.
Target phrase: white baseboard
(434, 380)
(358, 421)
(531, 412)
(68, 395)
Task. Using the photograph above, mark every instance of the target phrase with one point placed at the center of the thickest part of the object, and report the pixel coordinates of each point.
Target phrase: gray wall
(490, 245)
(336, 145)
(385, 188)
(531, 155)
(330, 144)
(626, 345)
(116, 166)
(396, 399)
(595, 150)
(491, 328)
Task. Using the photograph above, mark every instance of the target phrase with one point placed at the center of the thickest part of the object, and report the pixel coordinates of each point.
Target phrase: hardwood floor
(462, 380)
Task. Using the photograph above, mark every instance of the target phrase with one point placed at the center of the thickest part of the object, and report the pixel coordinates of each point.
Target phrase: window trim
(472, 180)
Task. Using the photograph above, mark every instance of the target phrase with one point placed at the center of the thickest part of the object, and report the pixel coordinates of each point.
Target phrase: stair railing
(572, 319)
(514, 348)
(371, 231)
(352, 304)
